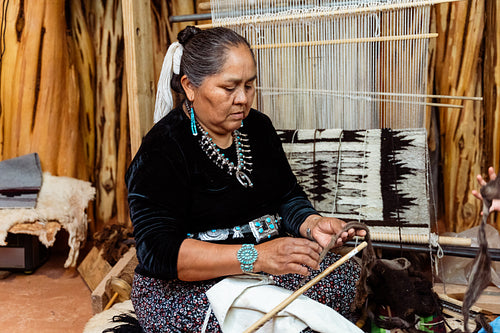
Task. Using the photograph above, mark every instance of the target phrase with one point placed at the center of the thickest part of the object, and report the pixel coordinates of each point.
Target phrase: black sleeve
(157, 202)
(295, 207)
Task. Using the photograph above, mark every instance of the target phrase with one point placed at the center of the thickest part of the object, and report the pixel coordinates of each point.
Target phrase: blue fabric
(175, 189)
(495, 324)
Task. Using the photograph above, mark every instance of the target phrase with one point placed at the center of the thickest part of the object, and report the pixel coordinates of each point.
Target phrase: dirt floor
(50, 300)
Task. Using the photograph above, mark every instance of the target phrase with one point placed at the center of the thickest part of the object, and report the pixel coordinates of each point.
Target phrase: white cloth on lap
(239, 301)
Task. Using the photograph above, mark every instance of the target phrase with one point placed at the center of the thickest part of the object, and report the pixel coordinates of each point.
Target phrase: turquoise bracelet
(247, 255)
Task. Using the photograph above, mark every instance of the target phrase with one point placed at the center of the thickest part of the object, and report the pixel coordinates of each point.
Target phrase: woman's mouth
(238, 115)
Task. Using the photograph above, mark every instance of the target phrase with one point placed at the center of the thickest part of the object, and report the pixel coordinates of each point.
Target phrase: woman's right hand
(287, 255)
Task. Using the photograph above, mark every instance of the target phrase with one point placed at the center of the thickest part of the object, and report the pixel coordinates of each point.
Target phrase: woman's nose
(241, 97)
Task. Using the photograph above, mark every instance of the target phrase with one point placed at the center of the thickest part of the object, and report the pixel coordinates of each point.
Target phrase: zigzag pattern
(376, 176)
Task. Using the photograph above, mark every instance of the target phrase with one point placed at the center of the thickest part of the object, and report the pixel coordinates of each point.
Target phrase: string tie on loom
(171, 64)
(434, 241)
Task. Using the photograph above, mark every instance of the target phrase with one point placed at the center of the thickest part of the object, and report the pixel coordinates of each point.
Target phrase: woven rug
(377, 176)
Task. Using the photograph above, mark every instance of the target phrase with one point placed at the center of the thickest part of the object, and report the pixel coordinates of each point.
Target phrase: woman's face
(224, 99)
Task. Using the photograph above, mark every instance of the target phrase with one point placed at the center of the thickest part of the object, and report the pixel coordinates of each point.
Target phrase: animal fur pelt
(368, 259)
(115, 240)
(61, 199)
(407, 292)
(395, 284)
(120, 318)
(130, 324)
(480, 276)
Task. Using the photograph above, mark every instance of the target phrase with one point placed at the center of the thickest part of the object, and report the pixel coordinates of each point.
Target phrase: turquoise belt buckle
(264, 227)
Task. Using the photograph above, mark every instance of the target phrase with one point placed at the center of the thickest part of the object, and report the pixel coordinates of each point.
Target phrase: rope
(434, 241)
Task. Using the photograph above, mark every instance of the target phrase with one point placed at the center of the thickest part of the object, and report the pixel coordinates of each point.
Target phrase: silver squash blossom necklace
(243, 156)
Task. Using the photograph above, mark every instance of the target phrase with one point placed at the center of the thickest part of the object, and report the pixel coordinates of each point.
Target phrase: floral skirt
(178, 306)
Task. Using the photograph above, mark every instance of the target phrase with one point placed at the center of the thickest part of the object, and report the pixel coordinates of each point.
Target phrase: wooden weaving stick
(344, 41)
(268, 316)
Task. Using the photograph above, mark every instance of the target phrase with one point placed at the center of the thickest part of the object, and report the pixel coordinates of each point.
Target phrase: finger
(308, 261)
(312, 253)
(315, 247)
(491, 173)
(306, 247)
(351, 233)
(361, 233)
(480, 180)
(299, 269)
(495, 205)
(477, 194)
(341, 239)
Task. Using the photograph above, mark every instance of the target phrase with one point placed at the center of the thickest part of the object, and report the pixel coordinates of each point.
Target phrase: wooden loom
(354, 65)
(337, 64)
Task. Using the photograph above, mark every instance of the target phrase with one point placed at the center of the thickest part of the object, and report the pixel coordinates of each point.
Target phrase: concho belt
(264, 227)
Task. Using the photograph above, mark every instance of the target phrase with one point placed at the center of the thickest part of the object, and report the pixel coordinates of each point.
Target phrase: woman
(211, 193)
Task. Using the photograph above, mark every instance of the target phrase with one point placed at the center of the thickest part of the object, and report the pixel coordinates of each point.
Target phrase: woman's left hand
(324, 228)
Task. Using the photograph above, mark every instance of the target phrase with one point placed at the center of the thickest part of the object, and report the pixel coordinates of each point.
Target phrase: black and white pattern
(376, 176)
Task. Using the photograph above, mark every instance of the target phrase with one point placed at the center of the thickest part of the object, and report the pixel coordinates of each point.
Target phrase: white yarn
(177, 58)
(434, 241)
(171, 64)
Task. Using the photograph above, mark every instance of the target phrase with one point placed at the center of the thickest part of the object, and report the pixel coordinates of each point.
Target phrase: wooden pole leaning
(268, 316)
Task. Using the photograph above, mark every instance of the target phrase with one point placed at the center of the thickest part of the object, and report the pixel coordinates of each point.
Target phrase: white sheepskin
(104, 320)
(61, 199)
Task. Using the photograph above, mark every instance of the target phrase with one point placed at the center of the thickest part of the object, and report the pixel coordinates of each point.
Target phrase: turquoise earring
(241, 123)
(193, 123)
(193, 120)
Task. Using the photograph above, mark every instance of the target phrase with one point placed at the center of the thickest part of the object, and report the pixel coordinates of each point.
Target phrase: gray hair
(205, 52)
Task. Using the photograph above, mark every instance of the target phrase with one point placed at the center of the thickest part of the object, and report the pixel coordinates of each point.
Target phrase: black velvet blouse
(175, 189)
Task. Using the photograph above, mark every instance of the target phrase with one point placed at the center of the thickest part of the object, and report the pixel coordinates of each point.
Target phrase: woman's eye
(229, 88)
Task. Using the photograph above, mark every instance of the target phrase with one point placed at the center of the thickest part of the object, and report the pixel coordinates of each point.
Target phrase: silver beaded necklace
(243, 155)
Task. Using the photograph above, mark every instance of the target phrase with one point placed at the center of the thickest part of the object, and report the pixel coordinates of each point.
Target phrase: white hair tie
(171, 64)
(179, 50)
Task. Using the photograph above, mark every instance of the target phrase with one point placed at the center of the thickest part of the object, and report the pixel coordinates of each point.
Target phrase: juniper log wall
(466, 64)
(64, 76)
